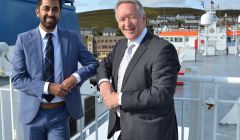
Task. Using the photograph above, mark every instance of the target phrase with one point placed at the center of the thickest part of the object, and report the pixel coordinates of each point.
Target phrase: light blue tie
(123, 66)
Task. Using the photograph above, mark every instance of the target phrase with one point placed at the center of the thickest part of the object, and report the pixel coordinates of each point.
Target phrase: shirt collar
(138, 40)
(43, 33)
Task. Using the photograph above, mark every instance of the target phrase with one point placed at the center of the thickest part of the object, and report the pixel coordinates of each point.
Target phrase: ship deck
(195, 120)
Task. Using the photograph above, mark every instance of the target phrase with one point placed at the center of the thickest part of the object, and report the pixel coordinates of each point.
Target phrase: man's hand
(69, 83)
(57, 90)
(111, 100)
(105, 88)
(110, 97)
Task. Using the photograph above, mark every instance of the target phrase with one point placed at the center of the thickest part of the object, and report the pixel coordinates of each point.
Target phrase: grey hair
(139, 6)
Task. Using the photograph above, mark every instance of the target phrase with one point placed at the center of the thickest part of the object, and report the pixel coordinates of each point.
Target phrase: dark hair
(39, 2)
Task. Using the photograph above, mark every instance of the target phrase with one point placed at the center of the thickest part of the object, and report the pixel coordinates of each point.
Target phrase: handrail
(186, 78)
(90, 125)
(211, 79)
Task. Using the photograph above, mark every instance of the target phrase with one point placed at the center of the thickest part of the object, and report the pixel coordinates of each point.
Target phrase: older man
(138, 79)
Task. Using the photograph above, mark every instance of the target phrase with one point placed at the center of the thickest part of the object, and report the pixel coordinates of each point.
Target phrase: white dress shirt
(136, 42)
(58, 73)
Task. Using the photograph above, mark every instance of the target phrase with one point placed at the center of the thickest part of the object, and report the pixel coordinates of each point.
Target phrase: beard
(49, 22)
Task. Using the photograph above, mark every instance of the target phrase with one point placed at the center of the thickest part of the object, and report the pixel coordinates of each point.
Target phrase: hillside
(97, 19)
(100, 19)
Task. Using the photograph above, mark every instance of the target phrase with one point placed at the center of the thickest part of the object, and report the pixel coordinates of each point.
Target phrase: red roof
(231, 33)
(179, 33)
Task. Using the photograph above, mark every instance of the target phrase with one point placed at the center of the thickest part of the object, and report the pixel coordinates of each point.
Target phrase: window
(104, 46)
(178, 39)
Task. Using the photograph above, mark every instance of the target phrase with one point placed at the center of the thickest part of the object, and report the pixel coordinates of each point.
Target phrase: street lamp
(206, 20)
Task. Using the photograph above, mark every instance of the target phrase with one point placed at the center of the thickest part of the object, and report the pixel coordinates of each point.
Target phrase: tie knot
(129, 49)
(49, 35)
(131, 46)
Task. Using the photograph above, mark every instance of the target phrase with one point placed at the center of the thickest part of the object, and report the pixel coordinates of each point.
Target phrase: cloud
(229, 4)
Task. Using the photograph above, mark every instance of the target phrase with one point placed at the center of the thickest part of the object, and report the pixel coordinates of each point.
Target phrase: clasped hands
(110, 98)
(63, 88)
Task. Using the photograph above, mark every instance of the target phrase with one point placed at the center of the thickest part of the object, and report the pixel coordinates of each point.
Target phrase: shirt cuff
(77, 76)
(120, 98)
(103, 80)
(45, 88)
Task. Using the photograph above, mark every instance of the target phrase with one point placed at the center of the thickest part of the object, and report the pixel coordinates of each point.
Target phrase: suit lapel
(37, 47)
(137, 55)
(63, 39)
(119, 56)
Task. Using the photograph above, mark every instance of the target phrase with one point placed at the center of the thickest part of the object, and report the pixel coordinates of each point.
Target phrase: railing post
(2, 116)
(238, 118)
(215, 112)
(81, 125)
(96, 123)
(11, 107)
(182, 138)
(202, 109)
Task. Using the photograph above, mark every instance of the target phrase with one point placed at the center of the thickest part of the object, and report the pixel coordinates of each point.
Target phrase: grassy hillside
(154, 12)
(97, 19)
(105, 18)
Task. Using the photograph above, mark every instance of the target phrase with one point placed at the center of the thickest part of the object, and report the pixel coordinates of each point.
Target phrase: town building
(101, 46)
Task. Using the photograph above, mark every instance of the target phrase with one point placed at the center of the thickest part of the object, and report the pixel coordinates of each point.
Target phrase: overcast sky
(90, 5)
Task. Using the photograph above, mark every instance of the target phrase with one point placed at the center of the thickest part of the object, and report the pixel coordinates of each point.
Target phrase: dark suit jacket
(27, 74)
(147, 111)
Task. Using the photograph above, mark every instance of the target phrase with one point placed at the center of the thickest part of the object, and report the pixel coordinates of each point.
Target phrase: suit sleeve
(163, 76)
(104, 70)
(21, 79)
(87, 60)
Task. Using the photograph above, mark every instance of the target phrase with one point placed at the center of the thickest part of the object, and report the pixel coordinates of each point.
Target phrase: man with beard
(45, 71)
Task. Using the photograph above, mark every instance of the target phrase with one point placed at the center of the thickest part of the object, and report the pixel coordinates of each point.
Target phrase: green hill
(97, 19)
(100, 19)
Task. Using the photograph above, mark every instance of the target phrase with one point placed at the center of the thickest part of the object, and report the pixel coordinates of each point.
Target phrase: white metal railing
(210, 79)
(93, 124)
(215, 100)
(191, 79)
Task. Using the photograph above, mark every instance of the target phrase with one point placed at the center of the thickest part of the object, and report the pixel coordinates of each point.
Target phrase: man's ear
(145, 19)
(37, 12)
